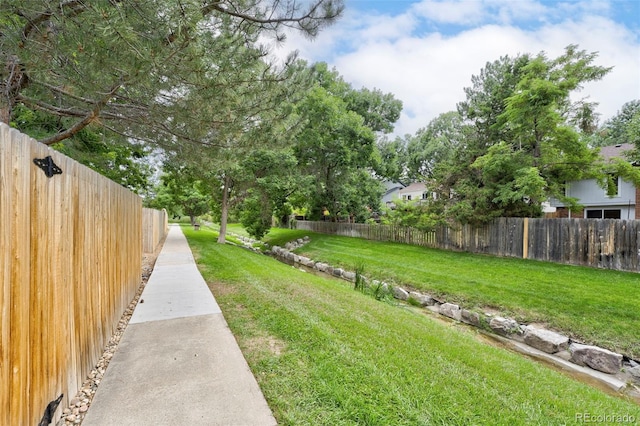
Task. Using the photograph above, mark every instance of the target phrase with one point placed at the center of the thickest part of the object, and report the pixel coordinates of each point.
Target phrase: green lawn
(325, 354)
(596, 306)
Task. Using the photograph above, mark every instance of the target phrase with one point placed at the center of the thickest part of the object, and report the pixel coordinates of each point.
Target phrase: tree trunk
(224, 211)
(5, 112)
(192, 219)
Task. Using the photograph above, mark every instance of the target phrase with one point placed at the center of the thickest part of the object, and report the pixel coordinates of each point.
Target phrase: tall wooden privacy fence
(71, 250)
(602, 243)
(155, 224)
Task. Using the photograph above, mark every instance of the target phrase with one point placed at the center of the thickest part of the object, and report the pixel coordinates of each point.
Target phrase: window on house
(604, 214)
(404, 197)
(612, 214)
(594, 214)
(425, 195)
(408, 197)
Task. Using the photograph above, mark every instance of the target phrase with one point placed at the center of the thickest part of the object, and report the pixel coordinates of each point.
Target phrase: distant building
(594, 199)
(392, 190)
(413, 192)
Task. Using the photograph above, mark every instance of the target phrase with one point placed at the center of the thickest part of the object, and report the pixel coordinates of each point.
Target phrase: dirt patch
(220, 289)
(275, 346)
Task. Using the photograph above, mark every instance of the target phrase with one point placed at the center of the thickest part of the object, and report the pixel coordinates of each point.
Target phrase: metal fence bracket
(48, 166)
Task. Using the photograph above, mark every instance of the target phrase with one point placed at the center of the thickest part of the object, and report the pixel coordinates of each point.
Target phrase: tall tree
(120, 64)
(392, 162)
(379, 110)
(182, 192)
(332, 144)
(618, 129)
(437, 144)
(519, 144)
(268, 178)
(337, 145)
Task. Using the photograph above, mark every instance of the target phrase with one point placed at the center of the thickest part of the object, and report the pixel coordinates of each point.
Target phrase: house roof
(616, 151)
(414, 187)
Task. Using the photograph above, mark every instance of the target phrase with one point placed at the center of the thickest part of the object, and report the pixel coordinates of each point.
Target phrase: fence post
(525, 238)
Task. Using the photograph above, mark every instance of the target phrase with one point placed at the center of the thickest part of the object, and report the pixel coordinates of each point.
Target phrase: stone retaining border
(546, 341)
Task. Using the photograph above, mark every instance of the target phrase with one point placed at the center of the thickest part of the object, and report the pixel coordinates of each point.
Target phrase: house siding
(415, 191)
(593, 197)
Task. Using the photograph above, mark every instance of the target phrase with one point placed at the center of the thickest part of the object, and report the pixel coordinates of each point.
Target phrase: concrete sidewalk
(177, 362)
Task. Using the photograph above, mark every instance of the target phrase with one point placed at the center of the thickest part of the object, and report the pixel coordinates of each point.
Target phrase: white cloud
(450, 12)
(428, 70)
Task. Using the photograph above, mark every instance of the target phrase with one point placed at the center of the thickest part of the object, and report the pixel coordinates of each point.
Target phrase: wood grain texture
(70, 259)
(600, 243)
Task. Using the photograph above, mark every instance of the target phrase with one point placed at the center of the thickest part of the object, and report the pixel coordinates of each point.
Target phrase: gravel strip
(80, 403)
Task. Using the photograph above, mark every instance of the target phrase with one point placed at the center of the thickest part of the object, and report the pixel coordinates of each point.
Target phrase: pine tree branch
(88, 119)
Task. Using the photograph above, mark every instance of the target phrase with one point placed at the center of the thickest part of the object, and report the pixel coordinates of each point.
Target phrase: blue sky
(426, 51)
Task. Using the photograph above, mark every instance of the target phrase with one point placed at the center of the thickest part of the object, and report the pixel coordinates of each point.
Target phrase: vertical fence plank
(604, 243)
(42, 191)
(70, 257)
(20, 281)
(154, 228)
(6, 263)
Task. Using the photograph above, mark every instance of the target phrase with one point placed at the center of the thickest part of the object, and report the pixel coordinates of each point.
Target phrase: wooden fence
(155, 225)
(601, 243)
(71, 250)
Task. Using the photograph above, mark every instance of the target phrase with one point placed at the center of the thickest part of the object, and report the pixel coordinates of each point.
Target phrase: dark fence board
(600, 243)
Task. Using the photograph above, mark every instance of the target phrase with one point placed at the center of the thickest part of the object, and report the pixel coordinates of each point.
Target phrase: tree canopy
(514, 142)
(124, 64)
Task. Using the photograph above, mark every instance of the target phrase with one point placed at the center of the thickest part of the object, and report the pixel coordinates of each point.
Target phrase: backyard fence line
(155, 225)
(601, 243)
(71, 253)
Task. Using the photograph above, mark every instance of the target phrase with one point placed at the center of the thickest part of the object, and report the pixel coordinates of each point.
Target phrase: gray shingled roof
(616, 151)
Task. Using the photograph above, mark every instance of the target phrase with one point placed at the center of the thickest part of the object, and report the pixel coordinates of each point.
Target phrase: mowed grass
(325, 354)
(600, 307)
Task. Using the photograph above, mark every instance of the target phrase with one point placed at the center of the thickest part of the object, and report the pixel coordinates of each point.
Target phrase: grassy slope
(596, 306)
(327, 355)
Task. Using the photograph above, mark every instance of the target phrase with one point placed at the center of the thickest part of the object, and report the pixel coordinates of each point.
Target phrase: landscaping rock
(450, 310)
(322, 267)
(434, 308)
(634, 372)
(469, 317)
(400, 293)
(348, 275)
(545, 340)
(337, 272)
(597, 358)
(505, 326)
(422, 299)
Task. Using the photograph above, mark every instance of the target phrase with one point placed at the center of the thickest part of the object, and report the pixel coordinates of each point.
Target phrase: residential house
(597, 204)
(415, 191)
(392, 190)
